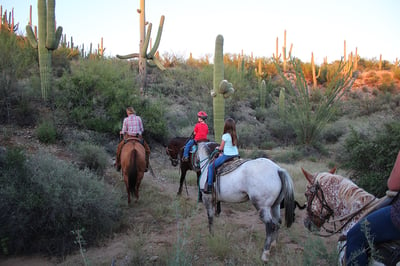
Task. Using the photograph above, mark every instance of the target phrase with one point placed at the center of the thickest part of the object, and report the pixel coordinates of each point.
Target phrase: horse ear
(309, 176)
(333, 170)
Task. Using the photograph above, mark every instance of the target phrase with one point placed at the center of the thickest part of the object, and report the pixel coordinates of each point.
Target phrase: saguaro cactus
(47, 41)
(144, 56)
(222, 88)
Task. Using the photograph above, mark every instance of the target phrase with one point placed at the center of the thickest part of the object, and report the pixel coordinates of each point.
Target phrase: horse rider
(200, 133)
(132, 127)
(228, 149)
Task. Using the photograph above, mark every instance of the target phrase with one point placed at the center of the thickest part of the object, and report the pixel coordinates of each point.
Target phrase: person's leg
(379, 228)
(118, 156)
(147, 149)
(210, 177)
(187, 148)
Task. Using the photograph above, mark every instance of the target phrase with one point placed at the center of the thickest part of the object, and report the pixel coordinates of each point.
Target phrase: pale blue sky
(317, 26)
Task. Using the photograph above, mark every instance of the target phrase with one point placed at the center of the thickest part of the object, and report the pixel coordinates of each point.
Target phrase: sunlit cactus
(145, 57)
(47, 41)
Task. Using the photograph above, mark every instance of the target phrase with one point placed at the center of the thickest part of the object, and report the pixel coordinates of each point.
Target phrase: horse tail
(288, 193)
(132, 172)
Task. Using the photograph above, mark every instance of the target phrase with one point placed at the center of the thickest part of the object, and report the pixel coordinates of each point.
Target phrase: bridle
(317, 192)
(174, 161)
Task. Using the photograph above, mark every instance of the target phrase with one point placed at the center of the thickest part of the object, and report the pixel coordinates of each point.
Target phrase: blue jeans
(380, 228)
(188, 145)
(215, 164)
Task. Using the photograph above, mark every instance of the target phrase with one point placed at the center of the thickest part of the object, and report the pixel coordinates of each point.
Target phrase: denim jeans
(188, 145)
(380, 228)
(215, 164)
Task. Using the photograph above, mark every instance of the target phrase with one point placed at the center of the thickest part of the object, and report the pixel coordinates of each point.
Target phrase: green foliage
(306, 115)
(47, 132)
(92, 156)
(17, 59)
(96, 93)
(371, 157)
(44, 199)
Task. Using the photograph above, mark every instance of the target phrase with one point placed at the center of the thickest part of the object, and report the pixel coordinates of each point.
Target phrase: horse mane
(347, 189)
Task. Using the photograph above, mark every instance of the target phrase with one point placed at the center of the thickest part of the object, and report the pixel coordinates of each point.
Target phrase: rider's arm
(394, 179)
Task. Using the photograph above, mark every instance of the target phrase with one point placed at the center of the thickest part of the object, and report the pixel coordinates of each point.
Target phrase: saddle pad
(230, 165)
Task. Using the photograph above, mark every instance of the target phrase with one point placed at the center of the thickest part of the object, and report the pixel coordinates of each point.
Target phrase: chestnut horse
(133, 165)
(336, 202)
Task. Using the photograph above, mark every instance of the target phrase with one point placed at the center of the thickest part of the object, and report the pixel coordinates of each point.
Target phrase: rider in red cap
(200, 133)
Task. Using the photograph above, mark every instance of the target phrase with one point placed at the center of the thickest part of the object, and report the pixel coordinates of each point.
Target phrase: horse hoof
(265, 255)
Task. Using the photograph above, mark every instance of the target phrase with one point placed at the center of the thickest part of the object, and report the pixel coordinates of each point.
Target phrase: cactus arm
(58, 36)
(158, 38)
(31, 37)
(146, 41)
(155, 62)
(129, 56)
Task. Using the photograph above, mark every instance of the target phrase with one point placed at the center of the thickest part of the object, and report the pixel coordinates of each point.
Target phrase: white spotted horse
(261, 181)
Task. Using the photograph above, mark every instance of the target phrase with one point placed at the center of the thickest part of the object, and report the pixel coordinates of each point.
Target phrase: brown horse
(174, 150)
(133, 165)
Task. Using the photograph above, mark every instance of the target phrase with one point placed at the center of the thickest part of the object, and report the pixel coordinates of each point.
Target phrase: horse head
(174, 149)
(318, 209)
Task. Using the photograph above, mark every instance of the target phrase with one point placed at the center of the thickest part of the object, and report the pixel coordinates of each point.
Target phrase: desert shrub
(371, 157)
(92, 156)
(46, 132)
(17, 59)
(43, 200)
(388, 84)
(371, 79)
(333, 132)
(308, 118)
(396, 73)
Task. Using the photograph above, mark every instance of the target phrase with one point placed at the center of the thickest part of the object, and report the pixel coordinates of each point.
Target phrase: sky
(251, 26)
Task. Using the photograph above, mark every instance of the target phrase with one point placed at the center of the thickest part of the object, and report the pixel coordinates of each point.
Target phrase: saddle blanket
(230, 165)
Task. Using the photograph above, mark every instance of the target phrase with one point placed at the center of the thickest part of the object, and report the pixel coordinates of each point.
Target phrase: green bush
(92, 156)
(46, 132)
(44, 199)
(371, 157)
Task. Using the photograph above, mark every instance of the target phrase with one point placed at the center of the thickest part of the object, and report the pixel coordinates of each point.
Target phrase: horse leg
(200, 195)
(271, 232)
(127, 190)
(137, 185)
(218, 211)
(183, 175)
(210, 213)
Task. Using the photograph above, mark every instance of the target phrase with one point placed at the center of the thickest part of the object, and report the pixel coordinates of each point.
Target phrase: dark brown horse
(133, 165)
(175, 152)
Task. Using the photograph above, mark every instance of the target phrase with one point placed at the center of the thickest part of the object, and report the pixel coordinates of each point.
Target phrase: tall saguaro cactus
(144, 56)
(47, 41)
(222, 88)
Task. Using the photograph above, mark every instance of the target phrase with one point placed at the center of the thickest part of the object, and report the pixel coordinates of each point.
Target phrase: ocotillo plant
(47, 41)
(144, 56)
(222, 88)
